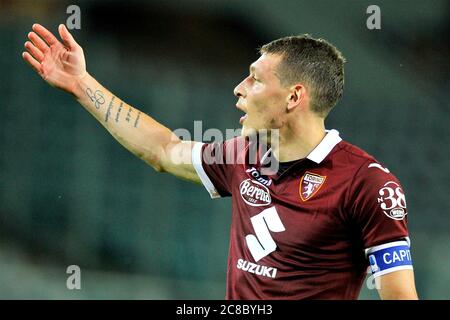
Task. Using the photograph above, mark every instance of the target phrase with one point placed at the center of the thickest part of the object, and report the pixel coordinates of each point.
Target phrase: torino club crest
(310, 184)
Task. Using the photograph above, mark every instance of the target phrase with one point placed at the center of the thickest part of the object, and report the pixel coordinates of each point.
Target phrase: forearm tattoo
(137, 120)
(96, 97)
(130, 110)
(118, 111)
(108, 111)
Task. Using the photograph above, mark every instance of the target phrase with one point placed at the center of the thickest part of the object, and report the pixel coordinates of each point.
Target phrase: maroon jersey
(300, 233)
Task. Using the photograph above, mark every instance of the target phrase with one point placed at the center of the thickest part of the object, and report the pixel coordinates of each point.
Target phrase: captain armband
(389, 257)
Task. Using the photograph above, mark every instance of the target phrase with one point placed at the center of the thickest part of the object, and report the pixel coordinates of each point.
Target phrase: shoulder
(362, 163)
(235, 142)
(226, 152)
(350, 152)
(235, 147)
(370, 181)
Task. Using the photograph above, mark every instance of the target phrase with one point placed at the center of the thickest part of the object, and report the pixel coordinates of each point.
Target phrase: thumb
(67, 38)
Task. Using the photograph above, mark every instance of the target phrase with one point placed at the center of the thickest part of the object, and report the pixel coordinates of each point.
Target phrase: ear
(297, 95)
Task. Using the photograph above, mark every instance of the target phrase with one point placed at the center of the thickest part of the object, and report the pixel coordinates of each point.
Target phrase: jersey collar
(325, 146)
(320, 152)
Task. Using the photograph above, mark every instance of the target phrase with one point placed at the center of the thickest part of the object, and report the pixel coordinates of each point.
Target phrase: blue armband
(389, 257)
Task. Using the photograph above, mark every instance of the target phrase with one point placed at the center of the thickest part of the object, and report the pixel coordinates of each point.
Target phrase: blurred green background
(71, 195)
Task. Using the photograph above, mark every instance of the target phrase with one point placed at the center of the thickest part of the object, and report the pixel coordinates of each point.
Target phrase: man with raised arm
(306, 230)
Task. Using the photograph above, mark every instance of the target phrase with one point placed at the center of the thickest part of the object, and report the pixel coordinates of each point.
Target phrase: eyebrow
(252, 68)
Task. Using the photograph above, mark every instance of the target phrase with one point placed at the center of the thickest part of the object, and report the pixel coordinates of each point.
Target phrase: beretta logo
(254, 193)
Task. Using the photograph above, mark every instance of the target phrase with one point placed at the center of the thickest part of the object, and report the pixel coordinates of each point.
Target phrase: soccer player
(307, 229)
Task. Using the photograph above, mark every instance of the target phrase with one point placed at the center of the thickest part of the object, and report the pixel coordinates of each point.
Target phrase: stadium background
(71, 195)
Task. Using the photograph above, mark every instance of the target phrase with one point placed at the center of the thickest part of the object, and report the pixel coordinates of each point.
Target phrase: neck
(297, 142)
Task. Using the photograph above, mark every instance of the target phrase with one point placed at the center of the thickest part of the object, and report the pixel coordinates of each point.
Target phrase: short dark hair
(314, 61)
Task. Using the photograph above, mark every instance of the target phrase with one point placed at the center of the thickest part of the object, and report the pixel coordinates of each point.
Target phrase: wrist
(80, 85)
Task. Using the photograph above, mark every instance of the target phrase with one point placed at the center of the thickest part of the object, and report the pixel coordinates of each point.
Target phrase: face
(262, 97)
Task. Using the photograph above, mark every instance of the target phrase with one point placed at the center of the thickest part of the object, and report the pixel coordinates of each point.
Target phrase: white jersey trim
(197, 163)
(387, 245)
(408, 240)
(325, 146)
(323, 149)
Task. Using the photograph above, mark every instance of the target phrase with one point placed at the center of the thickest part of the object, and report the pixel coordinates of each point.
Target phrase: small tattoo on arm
(137, 120)
(108, 111)
(129, 114)
(118, 111)
(96, 97)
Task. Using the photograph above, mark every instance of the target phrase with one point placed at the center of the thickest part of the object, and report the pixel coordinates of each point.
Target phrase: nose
(239, 90)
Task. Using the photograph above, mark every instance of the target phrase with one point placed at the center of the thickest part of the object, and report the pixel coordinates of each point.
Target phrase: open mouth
(242, 119)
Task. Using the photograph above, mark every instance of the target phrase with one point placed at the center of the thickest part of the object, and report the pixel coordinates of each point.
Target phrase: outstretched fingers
(45, 34)
(67, 38)
(32, 62)
(34, 51)
(38, 42)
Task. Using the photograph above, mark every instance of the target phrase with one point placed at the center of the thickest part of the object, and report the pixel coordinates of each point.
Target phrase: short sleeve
(215, 164)
(378, 205)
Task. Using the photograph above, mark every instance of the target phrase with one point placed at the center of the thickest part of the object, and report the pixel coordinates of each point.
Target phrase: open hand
(60, 64)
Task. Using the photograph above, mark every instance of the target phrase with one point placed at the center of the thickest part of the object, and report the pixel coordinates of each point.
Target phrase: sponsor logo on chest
(257, 269)
(310, 184)
(258, 177)
(254, 193)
